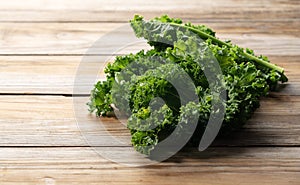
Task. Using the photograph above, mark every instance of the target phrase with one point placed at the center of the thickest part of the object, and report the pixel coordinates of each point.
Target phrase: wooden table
(41, 45)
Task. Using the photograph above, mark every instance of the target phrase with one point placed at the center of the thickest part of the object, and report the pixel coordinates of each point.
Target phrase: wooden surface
(43, 42)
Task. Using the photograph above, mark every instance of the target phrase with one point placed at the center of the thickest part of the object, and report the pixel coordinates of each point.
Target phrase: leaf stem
(259, 61)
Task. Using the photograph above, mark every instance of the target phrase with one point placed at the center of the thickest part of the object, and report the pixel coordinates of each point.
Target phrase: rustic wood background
(41, 45)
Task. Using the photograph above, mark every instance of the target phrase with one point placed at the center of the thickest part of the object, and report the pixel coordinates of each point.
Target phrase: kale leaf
(136, 83)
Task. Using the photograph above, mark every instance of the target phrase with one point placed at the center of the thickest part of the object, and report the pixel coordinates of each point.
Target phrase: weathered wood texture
(215, 166)
(75, 38)
(42, 43)
(56, 74)
(50, 121)
(114, 11)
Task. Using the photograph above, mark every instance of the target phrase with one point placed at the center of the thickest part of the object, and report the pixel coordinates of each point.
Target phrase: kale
(140, 85)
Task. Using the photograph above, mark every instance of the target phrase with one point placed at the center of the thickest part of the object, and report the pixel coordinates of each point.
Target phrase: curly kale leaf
(148, 127)
(100, 99)
(139, 84)
(160, 34)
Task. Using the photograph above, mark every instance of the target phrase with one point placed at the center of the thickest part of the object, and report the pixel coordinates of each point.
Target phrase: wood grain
(77, 38)
(51, 121)
(56, 74)
(114, 11)
(84, 166)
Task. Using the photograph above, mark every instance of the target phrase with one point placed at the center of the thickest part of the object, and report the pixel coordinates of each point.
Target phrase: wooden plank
(50, 121)
(92, 10)
(215, 166)
(56, 74)
(37, 122)
(76, 38)
(39, 74)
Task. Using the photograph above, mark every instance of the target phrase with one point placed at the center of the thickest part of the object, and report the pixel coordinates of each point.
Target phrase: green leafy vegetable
(137, 83)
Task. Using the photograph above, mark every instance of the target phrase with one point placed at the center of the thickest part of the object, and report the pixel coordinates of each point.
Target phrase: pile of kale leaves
(246, 77)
